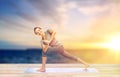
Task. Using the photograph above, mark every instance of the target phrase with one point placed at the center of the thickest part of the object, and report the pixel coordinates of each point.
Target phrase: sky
(78, 23)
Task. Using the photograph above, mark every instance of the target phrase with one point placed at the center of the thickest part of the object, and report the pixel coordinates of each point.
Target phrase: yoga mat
(34, 70)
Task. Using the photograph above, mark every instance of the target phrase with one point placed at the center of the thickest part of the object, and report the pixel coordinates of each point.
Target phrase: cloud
(91, 10)
(106, 26)
(89, 7)
(90, 2)
(33, 11)
(48, 9)
(19, 18)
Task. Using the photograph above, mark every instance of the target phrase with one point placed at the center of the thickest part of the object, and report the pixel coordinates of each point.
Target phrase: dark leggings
(61, 51)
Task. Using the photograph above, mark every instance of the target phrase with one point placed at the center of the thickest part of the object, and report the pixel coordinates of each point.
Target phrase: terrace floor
(18, 70)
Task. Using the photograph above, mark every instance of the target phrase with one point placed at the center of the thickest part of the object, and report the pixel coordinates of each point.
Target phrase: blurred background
(89, 29)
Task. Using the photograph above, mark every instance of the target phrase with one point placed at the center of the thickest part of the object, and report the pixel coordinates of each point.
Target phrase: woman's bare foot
(41, 70)
(86, 66)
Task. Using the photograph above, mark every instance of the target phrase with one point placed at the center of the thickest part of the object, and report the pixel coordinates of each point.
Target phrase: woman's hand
(46, 42)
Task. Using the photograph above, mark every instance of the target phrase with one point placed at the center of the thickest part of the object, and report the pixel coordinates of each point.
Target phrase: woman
(48, 39)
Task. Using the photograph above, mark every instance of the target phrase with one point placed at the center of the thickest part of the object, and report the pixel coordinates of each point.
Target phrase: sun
(113, 43)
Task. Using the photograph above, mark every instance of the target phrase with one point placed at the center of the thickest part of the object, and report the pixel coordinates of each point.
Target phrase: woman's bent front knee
(61, 50)
(44, 54)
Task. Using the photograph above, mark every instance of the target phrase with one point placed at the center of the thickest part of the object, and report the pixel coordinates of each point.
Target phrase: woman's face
(38, 31)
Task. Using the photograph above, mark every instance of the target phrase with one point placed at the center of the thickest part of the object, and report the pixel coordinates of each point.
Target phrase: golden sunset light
(80, 25)
(113, 43)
